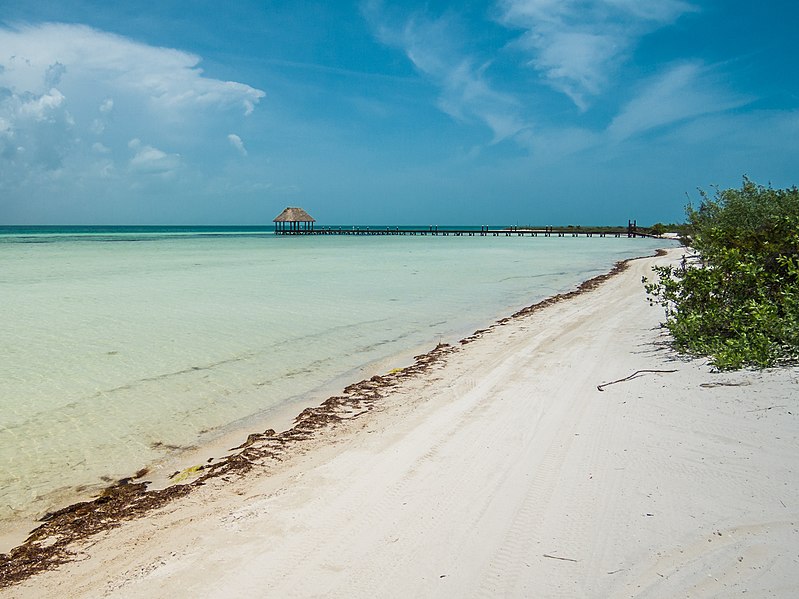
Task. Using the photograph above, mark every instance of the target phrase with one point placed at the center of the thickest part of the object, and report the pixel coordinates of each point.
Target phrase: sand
(500, 472)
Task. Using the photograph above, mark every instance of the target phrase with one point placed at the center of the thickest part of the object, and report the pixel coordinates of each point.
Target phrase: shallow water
(122, 346)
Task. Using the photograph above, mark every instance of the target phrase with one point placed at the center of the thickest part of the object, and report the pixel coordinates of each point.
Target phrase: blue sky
(503, 112)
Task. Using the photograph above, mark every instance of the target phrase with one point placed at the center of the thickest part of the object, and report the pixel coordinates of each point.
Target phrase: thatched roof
(294, 215)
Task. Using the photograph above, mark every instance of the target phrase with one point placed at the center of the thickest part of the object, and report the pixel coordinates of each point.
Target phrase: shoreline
(134, 497)
(137, 430)
(497, 468)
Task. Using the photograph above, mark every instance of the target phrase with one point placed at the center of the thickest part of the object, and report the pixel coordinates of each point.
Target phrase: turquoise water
(122, 345)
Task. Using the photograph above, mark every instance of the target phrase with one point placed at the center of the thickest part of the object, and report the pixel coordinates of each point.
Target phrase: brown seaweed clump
(50, 544)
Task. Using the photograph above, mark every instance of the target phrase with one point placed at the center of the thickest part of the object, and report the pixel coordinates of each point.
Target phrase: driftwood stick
(563, 559)
(627, 378)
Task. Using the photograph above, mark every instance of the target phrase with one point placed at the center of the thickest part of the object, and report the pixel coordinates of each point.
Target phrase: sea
(122, 348)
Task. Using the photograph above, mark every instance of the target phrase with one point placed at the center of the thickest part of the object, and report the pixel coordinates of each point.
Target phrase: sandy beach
(511, 465)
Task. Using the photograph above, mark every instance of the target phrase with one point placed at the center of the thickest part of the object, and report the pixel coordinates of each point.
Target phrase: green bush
(739, 304)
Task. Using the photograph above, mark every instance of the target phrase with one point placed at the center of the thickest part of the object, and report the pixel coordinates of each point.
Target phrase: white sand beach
(500, 472)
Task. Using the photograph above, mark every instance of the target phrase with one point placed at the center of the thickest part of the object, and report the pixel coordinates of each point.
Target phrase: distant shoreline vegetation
(737, 301)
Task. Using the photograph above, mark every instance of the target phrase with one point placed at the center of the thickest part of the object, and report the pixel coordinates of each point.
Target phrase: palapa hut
(293, 221)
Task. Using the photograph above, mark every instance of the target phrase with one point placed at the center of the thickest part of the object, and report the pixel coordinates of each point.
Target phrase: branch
(564, 559)
(627, 378)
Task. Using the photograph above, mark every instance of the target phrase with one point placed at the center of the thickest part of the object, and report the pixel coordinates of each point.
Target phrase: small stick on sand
(564, 559)
(627, 378)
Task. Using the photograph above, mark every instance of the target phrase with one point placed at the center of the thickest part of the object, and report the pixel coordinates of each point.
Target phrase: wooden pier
(484, 232)
(295, 221)
(461, 232)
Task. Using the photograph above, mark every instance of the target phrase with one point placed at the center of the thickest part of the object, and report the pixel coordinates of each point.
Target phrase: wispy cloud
(674, 99)
(577, 45)
(436, 50)
(680, 93)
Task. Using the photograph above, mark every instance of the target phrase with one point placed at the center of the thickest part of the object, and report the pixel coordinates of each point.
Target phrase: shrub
(739, 304)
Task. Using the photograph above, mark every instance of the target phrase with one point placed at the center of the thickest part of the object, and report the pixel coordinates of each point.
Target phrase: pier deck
(296, 221)
(434, 231)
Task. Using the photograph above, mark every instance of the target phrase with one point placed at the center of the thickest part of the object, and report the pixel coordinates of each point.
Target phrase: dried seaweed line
(48, 546)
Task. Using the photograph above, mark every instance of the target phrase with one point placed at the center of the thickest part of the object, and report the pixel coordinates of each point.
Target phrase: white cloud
(682, 98)
(577, 45)
(149, 160)
(61, 84)
(465, 91)
(42, 107)
(37, 129)
(236, 142)
(99, 148)
(168, 79)
(680, 93)
(99, 124)
(551, 145)
(664, 11)
(574, 63)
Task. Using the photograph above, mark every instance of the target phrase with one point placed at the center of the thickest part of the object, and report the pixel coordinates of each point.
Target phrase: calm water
(121, 343)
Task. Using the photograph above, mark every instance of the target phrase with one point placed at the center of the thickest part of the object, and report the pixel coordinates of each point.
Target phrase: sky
(583, 112)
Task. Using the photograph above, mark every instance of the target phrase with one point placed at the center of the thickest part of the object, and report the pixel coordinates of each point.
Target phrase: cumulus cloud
(35, 128)
(41, 108)
(61, 84)
(433, 47)
(236, 142)
(576, 45)
(99, 148)
(149, 160)
(168, 79)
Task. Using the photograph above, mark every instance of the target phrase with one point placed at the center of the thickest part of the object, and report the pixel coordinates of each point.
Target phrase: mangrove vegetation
(737, 300)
